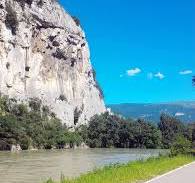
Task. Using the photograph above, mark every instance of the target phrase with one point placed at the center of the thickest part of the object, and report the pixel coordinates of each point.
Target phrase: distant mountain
(182, 110)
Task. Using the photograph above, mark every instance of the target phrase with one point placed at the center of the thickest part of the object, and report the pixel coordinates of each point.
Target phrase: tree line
(107, 130)
(33, 125)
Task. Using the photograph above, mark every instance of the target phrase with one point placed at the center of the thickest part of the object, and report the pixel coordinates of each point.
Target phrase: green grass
(138, 171)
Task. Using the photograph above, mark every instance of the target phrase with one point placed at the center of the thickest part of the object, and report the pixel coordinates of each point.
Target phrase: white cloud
(179, 114)
(159, 75)
(185, 72)
(133, 72)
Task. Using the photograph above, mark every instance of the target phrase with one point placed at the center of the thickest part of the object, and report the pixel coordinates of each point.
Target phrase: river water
(38, 166)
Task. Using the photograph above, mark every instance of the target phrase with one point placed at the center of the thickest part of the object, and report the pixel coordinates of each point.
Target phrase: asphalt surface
(185, 174)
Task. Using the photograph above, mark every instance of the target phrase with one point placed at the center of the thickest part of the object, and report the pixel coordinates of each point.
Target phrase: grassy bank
(132, 172)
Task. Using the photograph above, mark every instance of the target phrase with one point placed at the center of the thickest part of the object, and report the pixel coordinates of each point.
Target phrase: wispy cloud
(150, 75)
(179, 114)
(159, 75)
(185, 72)
(133, 72)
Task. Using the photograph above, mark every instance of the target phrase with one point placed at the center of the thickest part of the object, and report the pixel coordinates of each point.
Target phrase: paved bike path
(185, 174)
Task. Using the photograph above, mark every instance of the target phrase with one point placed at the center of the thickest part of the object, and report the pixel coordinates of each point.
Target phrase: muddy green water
(35, 167)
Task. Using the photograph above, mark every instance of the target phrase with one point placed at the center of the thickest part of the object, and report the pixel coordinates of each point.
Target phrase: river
(38, 166)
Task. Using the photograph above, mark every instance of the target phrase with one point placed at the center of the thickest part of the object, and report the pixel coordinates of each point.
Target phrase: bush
(82, 131)
(181, 146)
(69, 138)
(35, 104)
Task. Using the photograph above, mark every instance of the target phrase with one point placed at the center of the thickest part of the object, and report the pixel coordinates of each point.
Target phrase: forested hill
(182, 110)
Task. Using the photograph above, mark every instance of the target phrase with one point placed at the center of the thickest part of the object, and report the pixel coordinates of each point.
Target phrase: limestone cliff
(44, 54)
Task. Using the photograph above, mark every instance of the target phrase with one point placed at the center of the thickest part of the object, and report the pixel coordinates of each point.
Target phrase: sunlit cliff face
(44, 54)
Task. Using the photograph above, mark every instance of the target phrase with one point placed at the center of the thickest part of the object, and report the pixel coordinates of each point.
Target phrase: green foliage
(103, 131)
(181, 146)
(191, 134)
(171, 128)
(145, 135)
(125, 134)
(35, 104)
(82, 130)
(69, 138)
(112, 131)
(35, 127)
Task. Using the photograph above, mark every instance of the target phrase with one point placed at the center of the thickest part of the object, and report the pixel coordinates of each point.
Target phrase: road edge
(170, 172)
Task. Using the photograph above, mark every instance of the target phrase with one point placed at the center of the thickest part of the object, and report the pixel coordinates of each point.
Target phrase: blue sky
(142, 51)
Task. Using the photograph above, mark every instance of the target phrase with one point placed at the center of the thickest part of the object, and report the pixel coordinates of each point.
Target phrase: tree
(34, 127)
(191, 133)
(125, 134)
(181, 146)
(170, 128)
(103, 131)
(82, 130)
(145, 135)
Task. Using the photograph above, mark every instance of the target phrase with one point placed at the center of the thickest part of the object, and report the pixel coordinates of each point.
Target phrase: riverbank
(138, 171)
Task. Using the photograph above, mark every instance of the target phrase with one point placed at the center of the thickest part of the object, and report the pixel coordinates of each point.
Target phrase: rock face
(44, 54)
